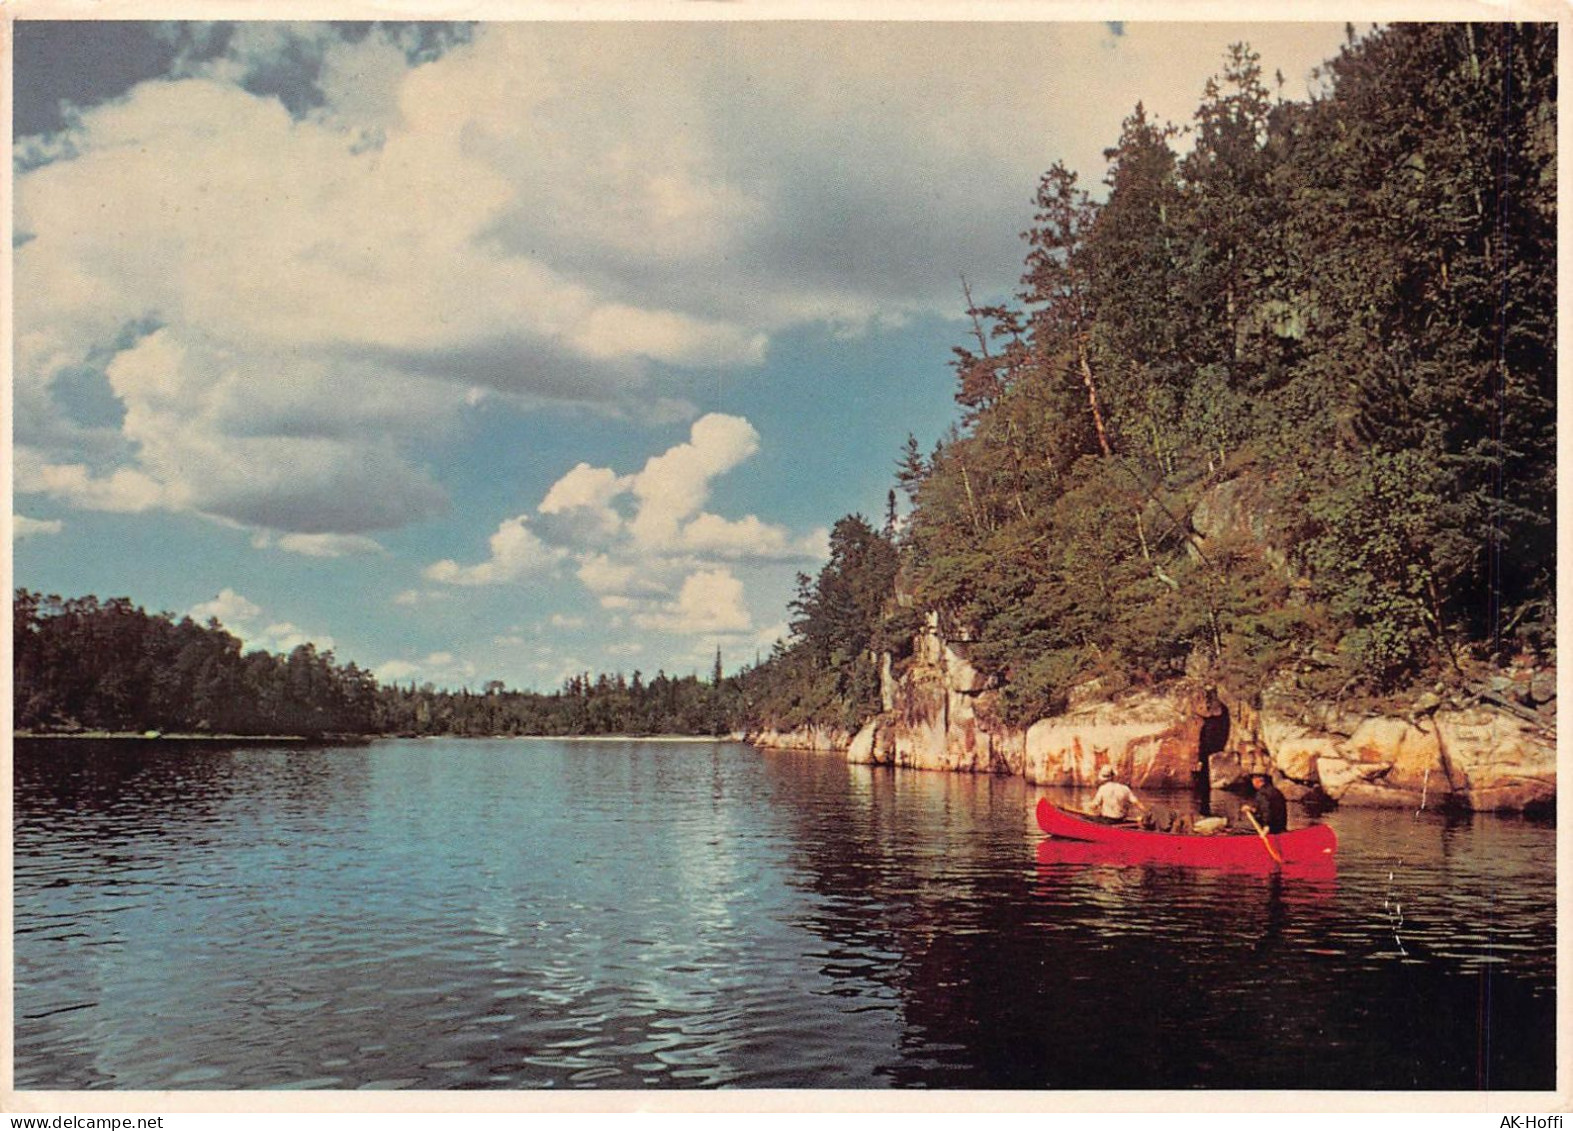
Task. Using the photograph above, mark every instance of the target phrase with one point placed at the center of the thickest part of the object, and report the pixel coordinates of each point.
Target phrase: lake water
(528, 914)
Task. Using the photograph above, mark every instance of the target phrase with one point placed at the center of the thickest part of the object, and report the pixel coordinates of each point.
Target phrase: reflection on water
(534, 914)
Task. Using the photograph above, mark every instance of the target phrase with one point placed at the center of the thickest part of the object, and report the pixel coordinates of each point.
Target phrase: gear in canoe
(1313, 844)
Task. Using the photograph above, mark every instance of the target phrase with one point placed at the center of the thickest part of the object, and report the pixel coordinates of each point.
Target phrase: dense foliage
(828, 672)
(605, 705)
(1283, 402)
(85, 664)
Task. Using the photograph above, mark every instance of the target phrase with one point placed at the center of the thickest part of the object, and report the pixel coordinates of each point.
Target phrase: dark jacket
(1271, 809)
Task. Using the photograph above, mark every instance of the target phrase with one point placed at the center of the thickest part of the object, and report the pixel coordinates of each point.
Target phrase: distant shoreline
(695, 738)
(345, 739)
(160, 736)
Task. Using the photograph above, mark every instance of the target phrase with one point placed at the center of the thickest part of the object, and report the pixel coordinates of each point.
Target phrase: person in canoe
(1268, 806)
(1115, 801)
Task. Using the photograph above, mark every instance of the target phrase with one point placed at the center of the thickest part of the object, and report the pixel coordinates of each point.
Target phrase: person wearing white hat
(1114, 800)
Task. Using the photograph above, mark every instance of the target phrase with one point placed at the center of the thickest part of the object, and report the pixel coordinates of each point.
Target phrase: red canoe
(1314, 844)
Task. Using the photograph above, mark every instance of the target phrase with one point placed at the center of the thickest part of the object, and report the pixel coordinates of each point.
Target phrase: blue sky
(515, 350)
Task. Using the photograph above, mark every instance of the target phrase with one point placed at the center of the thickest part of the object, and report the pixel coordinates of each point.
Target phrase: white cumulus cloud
(517, 554)
(643, 545)
(748, 537)
(628, 562)
(124, 490)
(229, 608)
(286, 637)
(242, 616)
(285, 305)
(709, 602)
(674, 485)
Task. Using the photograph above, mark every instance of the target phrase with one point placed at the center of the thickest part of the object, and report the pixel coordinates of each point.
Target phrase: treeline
(86, 664)
(81, 664)
(843, 622)
(1283, 404)
(604, 705)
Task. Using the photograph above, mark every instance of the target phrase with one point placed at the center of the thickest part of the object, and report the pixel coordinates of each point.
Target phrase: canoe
(1060, 862)
(1314, 844)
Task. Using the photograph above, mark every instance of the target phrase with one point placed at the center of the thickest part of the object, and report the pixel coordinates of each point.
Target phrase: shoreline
(348, 739)
(676, 738)
(160, 736)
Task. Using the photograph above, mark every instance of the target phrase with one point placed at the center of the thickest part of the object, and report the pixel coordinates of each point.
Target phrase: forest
(82, 664)
(1277, 402)
(1279, 405)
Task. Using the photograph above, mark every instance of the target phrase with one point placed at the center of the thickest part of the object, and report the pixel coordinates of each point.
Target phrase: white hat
(1106, 774)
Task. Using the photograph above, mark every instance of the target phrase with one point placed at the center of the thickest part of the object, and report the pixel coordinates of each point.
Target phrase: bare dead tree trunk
(1018, 460)
(977, 326)
(972, 502)
(1157, 570)
(1092, 398)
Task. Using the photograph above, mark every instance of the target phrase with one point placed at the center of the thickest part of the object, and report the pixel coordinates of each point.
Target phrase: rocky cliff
(1475, 755)
(826, 739)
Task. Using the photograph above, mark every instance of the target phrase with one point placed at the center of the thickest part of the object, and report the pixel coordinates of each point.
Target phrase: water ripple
(538, 914)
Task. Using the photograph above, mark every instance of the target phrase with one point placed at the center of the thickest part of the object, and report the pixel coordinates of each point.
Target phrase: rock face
(1494, 748)
(1152, 741)
(932, 720)
(1478, 758)
(1237, 508)
(938, 716)
(829, 740)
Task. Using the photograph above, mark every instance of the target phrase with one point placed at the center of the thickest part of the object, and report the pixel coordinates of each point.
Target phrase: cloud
(240, 615)
(408, 598)
(440, 668)
(329, 545)
(709, 602)
(588, 488)
(663, 503)
(124, 490)
(766, 637)
(579, 505)
(285, 637)
(643, 545)
(289, 358)
(749, 538)
(284, 268)
(23, 527)
(218, 435)
(229, 608)
(624, 561)
(517, 554)
(556, 671)
(605, 576)
(674, 485)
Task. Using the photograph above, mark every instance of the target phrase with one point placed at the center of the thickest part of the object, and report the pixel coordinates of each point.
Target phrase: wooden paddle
(1261, 832)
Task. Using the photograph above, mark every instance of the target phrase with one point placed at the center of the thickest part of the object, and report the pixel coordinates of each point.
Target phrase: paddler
(1114, 800)
(1268, 806)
